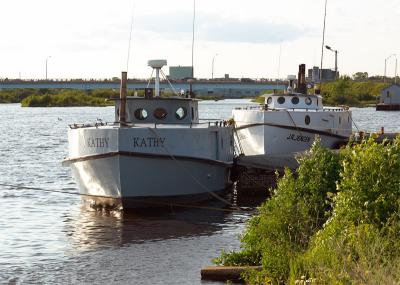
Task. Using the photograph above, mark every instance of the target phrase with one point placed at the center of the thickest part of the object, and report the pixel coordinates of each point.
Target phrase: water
(53, 238)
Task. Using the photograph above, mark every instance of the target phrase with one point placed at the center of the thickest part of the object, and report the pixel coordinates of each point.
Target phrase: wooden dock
(256, 174)
(225, 273)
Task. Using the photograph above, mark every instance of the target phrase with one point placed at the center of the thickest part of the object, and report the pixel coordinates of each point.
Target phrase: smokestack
(122, 96)
(301, 80)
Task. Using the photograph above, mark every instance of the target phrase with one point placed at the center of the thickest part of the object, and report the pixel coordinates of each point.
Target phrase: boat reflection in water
(90, 229)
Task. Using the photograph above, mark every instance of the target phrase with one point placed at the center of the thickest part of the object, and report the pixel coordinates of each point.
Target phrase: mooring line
(21, 187)
(194, 178)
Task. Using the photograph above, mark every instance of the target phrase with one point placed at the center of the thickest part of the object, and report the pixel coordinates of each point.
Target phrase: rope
(21, 187)
(354, 123)
(194, 178)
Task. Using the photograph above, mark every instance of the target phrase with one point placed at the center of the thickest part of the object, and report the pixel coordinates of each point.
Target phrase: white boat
(154, 154)
(290, 122)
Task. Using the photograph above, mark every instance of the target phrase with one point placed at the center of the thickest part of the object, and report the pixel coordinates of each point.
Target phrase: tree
(360, 76)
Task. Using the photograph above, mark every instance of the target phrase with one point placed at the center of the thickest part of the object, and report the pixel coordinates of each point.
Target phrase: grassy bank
(336, 220)
(68, 97)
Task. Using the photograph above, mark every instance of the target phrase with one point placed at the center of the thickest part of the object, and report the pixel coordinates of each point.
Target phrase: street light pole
(336, 66)
(194, 19)
(212, 66)
(47, 59)
(386, 59)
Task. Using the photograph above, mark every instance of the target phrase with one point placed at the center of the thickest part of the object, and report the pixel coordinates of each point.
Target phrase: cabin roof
(291, 95)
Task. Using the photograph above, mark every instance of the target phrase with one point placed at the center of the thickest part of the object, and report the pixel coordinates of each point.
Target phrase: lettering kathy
(97, 142)
(148, 142)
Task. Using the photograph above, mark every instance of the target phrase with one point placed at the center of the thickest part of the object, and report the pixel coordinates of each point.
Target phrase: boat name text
(148, 142)
(97, 142)
(298, 138)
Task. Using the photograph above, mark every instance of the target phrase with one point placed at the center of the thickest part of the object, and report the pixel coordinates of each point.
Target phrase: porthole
(281, 100)
(295, 100)
(307, 120)
(160, 113)
(269, 100)
(140, 114)
(308, 101)
(180, 113)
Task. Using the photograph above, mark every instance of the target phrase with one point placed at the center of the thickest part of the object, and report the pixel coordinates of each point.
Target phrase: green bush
(286, 222)
(336, 220)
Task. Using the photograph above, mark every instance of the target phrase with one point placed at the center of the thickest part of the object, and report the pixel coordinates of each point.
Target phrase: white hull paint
(285, 131)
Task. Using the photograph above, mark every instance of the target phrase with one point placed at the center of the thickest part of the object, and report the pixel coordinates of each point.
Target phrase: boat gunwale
(72, 160)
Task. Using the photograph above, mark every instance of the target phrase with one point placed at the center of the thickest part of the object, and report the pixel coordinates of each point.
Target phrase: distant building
(390, 99)
(180, 72)
(327, 75)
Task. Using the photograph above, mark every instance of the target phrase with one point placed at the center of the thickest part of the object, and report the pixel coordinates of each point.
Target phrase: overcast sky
(89, 39)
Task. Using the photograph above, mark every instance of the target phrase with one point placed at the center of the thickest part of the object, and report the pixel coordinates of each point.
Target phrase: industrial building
(327, 75)
(180, 72)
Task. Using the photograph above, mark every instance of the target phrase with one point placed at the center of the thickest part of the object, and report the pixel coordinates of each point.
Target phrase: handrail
(215, 123)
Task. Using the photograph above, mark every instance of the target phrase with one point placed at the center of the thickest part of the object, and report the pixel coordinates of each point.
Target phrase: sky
(252, 38)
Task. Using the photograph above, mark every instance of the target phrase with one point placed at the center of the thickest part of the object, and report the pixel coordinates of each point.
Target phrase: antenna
(194, 18)
(130, 37)
(322, 49)
(279, 63)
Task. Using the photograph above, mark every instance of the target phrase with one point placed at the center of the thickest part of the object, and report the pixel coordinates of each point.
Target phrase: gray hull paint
(135, 181)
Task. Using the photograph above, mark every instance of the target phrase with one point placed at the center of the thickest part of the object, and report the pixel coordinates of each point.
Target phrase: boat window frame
(307, 120)
(269, 100)
(185, 112)
(138, 114)
(294, 99)
(160, 113)
(308, 101)
(279, 100)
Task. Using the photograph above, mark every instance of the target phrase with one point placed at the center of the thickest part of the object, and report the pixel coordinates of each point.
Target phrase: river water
(53, 238)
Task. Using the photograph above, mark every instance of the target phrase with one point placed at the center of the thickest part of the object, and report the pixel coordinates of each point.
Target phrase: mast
(322, 48)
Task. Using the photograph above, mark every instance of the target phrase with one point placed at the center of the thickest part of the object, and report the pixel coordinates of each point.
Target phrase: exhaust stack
(301, 80)
(122, 96)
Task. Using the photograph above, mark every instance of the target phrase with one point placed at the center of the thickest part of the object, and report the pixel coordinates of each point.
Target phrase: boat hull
(137, 182)
(137, 167)
(281, 140)
(280, 132)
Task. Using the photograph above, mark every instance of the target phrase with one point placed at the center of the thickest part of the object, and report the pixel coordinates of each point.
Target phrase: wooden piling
(225, 273)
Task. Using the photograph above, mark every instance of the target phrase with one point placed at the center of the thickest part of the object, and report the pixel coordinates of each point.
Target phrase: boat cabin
(293, 101)
(162, 110)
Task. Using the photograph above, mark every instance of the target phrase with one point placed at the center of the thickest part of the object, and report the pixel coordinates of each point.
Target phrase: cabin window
(180, 113)
(295, 100)
(387, 94)
(269, 100)
(307, 120)
(160, 113)
(281, 100)
(308, 101)
(340, 120)
(140, 114)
